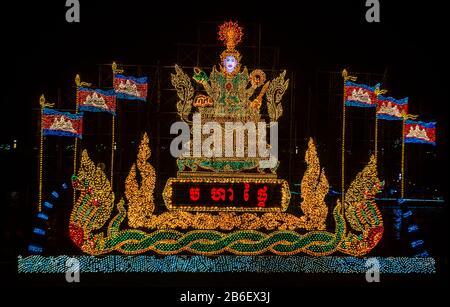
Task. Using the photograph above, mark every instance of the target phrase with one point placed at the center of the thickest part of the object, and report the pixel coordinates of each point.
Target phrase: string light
(87, 216)
(75, 148)
(407, 214)
(345, 77)
(422, 254)
(113, 144)
(402, 188)
(48, 205)
(362, 213)
(212, 235)
(140, 196)
(43, 104)
(91, 181)
(378, 92)
(39, 231)
(42, 216)
(416, 243)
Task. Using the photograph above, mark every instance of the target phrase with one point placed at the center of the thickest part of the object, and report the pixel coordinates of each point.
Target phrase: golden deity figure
(228, 88)
(232, 96)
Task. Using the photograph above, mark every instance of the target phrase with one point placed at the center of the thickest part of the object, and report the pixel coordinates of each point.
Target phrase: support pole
(376, 138)
(345, 77)
(43, 105)
(113, 141)
(41, 155)
(402, 191)
(343, 148)
(112, 149)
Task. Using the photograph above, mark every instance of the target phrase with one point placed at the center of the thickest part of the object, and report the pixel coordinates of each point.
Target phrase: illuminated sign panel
(226, 194)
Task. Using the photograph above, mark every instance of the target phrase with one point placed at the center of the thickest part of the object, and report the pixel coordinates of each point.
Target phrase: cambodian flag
(62, 123)
(360, 95)
(420, 132)
(96, 100)
(127, 87)
(389, 108)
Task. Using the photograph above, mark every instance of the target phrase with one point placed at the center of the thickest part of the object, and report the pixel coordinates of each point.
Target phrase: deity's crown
(231, 34)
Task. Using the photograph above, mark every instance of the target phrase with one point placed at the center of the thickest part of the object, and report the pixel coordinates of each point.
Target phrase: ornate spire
(230, 34)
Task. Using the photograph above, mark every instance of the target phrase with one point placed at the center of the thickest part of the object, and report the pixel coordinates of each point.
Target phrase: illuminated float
(222, 203)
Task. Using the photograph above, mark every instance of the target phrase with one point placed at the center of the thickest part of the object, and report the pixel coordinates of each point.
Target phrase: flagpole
(75, 153)
(343, 142)
(402, 191)
(41, 152)
(112, 150)
(114, 70)
(345, 77)
(378, 92)
(376, 137)
(75, 149)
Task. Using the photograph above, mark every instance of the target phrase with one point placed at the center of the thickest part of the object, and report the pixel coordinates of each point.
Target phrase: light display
(360, 95)
(62, 123)
(128, 87)
(226, 214)
(140, 206)
(347, 78)
(232, 97)
(225, 263)
(96, 201)
(419, 132)
(41, 227)
(235, 198)
(362, 213)
(389, 108)
(234, 203)
(379, 110)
